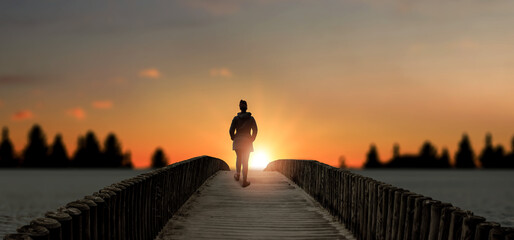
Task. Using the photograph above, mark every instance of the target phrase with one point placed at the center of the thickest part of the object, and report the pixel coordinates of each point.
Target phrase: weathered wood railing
(133, 209)
(372, 209)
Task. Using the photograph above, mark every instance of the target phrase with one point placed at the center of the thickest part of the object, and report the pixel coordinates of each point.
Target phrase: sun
(259, 160)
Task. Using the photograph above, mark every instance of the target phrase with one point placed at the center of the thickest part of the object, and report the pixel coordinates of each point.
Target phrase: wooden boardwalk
(272, 207)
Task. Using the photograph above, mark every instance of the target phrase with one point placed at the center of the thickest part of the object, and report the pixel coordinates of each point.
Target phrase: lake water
(27, 194)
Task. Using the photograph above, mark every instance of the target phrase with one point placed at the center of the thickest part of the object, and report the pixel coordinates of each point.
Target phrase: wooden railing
(372, 209)
(133, 209)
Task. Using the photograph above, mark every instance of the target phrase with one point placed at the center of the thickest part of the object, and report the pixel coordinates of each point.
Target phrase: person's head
(243, 106)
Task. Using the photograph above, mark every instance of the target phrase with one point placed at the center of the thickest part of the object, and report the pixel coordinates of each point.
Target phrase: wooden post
(418, 217)
(396, 214)
(35, 232)
(435, 219)
(409, 216)
(390, 210)
(86, 225)
(444, 223)
(509, 233)
(469, 227)
(425, 219)
(353, 202)
(92, 217)
(53, 226)
(496, 233)
(17, 236)
(116, 211)
(403, 212)
(76, 221)
(360, 204)
(483, 229)
(65, 220)
(123, 210)
(456, 224)
(383, 190)
(372, 221)
(100, 216)
(110, 201)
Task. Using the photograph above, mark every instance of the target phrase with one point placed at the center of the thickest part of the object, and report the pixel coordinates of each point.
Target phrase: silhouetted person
(243, 131)
(36, 152)
(58, 154)
(159, 159)
(464, 158)
(113, 156)
(372, 160)
(7, 158)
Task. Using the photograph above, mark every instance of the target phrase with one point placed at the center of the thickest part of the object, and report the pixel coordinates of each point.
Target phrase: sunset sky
(323, 78)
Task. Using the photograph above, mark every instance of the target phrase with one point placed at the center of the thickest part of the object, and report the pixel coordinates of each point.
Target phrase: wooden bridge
(291, 199)
(272, 207)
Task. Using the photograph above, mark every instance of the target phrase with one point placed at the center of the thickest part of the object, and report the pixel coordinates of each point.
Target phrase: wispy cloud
(104, 104)
(220, 7)
(15, 79)
(77, 113)
(220, 72)
(150, 73)
(22, 115)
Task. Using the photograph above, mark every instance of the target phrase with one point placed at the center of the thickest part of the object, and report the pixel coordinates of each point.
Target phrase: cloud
(217, 8)
(220, 72)
(150, 73)
(118, 80)
(16, 79)
(105, 104)
(22, 115)
(466, 44)
(77, 113)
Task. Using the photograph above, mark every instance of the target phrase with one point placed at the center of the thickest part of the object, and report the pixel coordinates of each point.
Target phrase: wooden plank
(272, 207)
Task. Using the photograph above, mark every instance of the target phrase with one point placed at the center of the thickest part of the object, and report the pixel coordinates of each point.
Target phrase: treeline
(428, 157)
(38, 154)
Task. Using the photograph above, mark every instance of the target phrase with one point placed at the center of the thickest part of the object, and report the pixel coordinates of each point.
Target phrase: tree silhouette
(444, 160)
(372, 160)
(7, 158)
(35, 154)
(127, 160)
(112, 152)
(58, 154)
(159, 159)
(88, 152)
(342, 162)
(427, 155)
(487, 157)
(396, 150)
(464, 158)
(499, 157)
(509, 159)
(79, 158)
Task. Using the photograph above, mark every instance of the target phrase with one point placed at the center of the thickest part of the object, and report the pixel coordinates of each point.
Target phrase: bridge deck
(271, 207)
